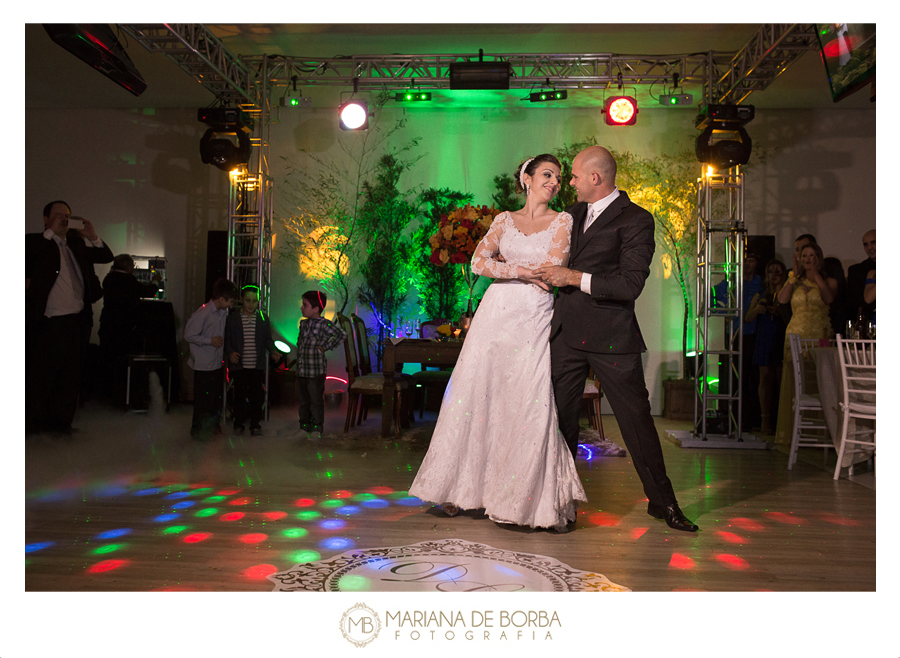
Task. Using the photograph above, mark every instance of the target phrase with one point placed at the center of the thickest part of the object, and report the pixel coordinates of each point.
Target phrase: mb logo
(360, 625)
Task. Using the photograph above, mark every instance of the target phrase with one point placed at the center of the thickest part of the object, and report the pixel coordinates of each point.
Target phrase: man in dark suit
(856, 282)
(60, 286)
(594, 325)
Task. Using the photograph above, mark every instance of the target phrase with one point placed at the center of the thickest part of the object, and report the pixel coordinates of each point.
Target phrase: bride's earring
(527, 190)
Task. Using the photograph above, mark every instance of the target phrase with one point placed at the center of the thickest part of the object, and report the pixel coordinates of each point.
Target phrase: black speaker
(216, 259)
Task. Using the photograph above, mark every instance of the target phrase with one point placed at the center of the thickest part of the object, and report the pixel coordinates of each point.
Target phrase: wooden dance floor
(132, 504)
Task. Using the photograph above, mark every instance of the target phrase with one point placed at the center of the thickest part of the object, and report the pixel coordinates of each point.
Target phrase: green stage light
(544, 96)
(412, 96)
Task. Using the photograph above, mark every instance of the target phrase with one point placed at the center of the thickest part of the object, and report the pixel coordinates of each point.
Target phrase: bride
(496, 445)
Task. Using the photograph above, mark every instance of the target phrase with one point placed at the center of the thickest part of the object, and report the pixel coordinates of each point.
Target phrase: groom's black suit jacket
(616, 250)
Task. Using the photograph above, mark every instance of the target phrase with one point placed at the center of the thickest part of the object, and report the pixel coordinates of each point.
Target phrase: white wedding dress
(496, 444)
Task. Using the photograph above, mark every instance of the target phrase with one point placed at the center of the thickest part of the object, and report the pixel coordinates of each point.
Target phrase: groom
(594, 323)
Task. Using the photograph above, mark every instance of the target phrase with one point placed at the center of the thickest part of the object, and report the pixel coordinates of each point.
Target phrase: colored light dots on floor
(363, 496)
(604, 519)
(175, 529)
(348, 510)
(748, 524)
(680, 561)
(106, 565)
(304, 502)
(309, 515)
(781, 517)
(332, 524)
(375, 503)
(354, 583)
(637, 533)
(177, 495)
(112, 534)
(214, 499)
(259, 571)
(208, 511)
(149, 492)
(410, 501)
(730, 537)
(381, 491)
(295, 533)
(108, 548)
(340, 494)
(732, 561)
(183, 505)
(337, 543)
(228, 492)
(274, 516)
(165, 518)
(38, 546)
(232, 516)
(197, 537)
(838, 520)
(331, 504)
(254, 537)
(246, 500)
(301, 557)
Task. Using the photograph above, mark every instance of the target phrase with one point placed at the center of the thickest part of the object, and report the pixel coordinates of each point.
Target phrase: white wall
(138, 176)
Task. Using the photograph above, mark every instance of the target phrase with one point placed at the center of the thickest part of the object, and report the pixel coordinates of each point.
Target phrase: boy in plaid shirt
(317, 336)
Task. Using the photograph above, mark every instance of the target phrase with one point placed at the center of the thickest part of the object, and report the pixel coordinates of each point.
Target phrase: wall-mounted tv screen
(848, 51)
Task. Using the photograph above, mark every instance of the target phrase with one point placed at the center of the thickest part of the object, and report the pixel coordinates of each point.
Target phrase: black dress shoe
(674, 517)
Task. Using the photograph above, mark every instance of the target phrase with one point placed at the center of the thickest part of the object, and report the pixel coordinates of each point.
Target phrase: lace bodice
(547, 247)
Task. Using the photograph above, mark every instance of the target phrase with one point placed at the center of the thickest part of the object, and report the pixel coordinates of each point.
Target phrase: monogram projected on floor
(448, 565)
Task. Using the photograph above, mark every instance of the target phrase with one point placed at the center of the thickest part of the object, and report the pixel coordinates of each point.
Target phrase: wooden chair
(592, 394)
(809, 432)
(365, 368)
(361, 387)
(430, 379)
(857, 358)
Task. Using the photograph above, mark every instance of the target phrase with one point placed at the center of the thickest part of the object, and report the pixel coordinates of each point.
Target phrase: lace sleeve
(483, 259)
(561, 241)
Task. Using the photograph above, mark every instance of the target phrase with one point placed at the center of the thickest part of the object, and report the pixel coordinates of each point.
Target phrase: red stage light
(620, 111)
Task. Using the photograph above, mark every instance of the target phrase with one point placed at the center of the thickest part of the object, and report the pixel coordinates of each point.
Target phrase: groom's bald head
(593, 173)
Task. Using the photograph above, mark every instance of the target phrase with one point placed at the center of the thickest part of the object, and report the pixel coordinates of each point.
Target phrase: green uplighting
(108, 548)
(296, 532)
(304, 556)
(209, 511)
(309, 515)
(175, 529)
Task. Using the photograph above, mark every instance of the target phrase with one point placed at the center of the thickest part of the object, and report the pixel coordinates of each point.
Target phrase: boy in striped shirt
(317, 335)
(248, 335)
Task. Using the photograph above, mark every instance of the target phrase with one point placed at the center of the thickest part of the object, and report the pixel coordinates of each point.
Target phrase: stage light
(724, 143)
(413, 96)
(295, 98)
(676, 99)
(620, 111)
(218, 148)
(354, 115)
(544, 96)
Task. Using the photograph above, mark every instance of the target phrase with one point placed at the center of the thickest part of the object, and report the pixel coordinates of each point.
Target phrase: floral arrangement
(459, 234)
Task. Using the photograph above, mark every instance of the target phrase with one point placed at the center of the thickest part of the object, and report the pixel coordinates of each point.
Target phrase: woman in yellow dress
(809, 294)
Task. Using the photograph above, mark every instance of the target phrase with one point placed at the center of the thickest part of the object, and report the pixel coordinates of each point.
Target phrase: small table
(411, 350)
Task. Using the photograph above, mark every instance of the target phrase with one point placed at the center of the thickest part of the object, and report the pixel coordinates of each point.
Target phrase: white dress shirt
(594, 211)
(61, 300)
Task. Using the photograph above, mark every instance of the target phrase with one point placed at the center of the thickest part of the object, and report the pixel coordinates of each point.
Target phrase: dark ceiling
(54, 78)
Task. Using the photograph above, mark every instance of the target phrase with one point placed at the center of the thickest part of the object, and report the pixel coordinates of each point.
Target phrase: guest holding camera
(60, 286)
(768, 354)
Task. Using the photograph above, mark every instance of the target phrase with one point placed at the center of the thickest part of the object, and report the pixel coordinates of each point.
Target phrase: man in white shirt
(60, 287)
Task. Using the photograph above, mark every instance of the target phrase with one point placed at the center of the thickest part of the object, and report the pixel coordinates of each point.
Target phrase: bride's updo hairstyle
(531, 165)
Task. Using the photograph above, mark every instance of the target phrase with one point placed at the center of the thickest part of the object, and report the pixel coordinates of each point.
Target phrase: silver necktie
(73, 273)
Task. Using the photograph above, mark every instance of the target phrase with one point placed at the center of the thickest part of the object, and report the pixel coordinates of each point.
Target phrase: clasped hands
(547, 276)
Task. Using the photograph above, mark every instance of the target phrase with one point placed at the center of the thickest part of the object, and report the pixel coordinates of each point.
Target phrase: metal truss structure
(721, 237)
(726, 77)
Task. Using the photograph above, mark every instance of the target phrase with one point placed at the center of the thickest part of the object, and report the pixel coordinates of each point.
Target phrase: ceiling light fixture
(620, 111)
